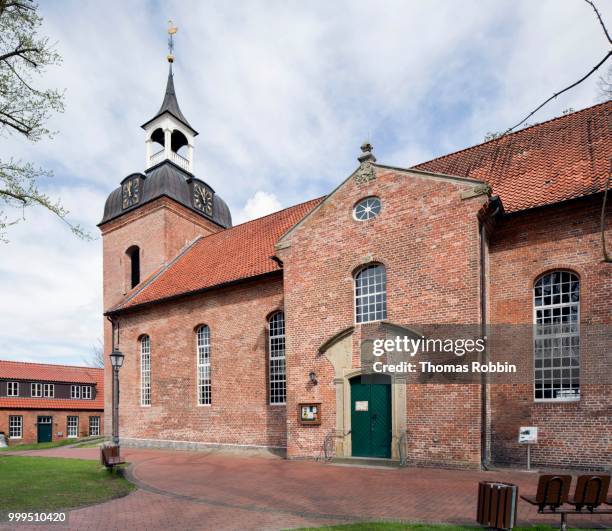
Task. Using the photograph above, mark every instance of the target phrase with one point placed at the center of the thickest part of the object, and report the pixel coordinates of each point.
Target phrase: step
(366, 461)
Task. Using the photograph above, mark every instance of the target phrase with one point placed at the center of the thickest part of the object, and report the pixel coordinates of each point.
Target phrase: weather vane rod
(172, 29)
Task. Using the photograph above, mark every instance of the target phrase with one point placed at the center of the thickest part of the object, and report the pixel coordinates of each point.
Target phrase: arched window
(371, 294)
(276, 350)
(145, 371)
(203, 365)
(557, 336)
(133, 254)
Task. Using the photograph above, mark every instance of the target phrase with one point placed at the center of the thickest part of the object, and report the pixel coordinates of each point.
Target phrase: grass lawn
(39, 446)
(392, 526)
(49, 483)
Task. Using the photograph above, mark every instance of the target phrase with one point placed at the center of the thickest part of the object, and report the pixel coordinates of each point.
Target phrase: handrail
(328, 449)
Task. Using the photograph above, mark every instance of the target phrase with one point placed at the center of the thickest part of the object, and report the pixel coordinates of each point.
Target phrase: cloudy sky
(283, 94)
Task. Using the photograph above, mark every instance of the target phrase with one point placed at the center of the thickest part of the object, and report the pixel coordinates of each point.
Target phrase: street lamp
(116, 362)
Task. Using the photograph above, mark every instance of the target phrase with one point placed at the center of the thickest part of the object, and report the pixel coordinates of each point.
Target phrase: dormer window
(133, 254)
(12, 389)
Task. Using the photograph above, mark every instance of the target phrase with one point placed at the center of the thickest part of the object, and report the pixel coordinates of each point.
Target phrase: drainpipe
(115, 391)
(484, 398)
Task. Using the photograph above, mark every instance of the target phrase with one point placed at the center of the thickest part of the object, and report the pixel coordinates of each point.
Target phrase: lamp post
(116, 362)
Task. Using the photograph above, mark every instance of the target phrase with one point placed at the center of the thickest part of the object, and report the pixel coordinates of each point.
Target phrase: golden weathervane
(172, 29)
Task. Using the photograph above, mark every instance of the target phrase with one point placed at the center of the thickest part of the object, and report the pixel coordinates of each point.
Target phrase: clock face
(203, 199)
(130, 192)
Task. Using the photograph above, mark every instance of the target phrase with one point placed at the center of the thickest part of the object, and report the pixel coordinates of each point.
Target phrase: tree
(96, 358)
(25, 109)
(604, 84)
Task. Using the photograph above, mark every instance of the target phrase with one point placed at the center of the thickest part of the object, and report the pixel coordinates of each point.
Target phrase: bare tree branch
(583, 78)
(600, 20)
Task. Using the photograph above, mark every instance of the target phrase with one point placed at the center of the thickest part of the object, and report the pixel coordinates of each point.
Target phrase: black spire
(170, 103)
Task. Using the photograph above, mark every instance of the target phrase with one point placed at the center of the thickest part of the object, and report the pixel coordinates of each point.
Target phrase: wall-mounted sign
(528, 435)
(310, 414)
(361, 405)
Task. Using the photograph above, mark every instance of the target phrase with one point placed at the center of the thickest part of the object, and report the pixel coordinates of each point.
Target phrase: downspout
(114, 324)
(484, 398)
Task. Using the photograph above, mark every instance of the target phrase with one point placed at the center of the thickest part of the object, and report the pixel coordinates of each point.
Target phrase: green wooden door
(45, 428)
(370, 419)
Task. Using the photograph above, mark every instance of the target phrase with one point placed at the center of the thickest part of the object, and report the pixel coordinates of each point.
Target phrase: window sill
(556, 400)
(204, 405)
(284, 404)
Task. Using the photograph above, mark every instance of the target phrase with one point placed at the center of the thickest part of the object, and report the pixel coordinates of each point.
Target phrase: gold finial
(172, 29)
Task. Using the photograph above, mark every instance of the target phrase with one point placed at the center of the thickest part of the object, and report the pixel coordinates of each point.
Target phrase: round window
(367, 208)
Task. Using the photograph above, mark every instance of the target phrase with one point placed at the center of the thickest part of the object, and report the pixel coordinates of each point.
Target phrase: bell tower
(169, 136)
(153, 215)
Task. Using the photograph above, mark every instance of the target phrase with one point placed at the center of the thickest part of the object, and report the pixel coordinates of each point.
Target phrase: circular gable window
(367, 208)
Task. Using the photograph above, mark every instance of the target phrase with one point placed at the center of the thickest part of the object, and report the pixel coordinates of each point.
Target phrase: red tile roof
(557, 160)
(554, 161)
(43, 372)
(240, 252)
(97, 404)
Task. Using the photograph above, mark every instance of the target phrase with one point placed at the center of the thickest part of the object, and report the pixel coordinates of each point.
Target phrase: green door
(45, 428)
(370, 419)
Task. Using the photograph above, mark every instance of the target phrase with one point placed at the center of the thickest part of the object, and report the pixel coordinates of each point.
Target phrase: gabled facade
(42, 403)
(255, 335)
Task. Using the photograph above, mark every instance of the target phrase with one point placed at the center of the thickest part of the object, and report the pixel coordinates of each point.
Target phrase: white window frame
(203, 374)
(49, 390)
(75, 391)
(94, 426)
(145, 371)
(72, 425)
(359, 296)
(86, 392)
(277, 360)
(367, 202)
(555, 342)
(15, 426)
(36, 390)
(12, 388)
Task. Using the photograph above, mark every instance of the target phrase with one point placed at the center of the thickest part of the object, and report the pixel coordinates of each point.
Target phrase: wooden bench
(110, 456)
(553, 491)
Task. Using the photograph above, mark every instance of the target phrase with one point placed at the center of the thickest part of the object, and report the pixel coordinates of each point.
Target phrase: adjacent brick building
(253, 335)
(41, 402)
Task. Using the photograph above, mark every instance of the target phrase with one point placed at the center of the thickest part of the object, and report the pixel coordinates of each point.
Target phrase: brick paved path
(214, 490)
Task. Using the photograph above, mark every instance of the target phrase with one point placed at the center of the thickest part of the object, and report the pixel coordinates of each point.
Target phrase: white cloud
(282, 93)
(260, 204)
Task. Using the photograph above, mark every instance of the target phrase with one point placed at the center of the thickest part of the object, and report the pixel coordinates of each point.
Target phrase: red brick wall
(239, 414)
(428, 239)
(30, 418)
(160, 229)
(523, 247)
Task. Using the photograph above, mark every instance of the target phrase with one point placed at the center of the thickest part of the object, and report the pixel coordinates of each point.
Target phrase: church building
(254, 335)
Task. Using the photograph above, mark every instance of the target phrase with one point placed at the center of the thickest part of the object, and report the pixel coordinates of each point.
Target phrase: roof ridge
(266, 216)
(499, 138)
(53, 365)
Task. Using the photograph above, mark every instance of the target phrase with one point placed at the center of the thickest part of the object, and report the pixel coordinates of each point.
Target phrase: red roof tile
(557, 160)
(43, 372)
(97, 404)
(237, 253)
(20, 370)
